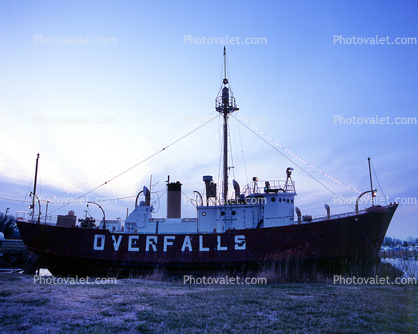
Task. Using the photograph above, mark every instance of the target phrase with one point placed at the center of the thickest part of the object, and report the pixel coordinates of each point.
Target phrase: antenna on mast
(225, 104)
(225, 79)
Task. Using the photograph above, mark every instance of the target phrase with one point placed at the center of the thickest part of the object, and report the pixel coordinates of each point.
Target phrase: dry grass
(408, 266)
(144, 306)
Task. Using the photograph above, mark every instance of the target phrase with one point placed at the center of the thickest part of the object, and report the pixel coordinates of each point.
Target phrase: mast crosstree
(225, 104)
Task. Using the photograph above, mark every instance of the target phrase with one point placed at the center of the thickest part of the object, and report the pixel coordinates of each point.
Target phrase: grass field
(146, 306)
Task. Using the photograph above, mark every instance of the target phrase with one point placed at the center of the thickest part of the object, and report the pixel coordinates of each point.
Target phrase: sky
(98, 87)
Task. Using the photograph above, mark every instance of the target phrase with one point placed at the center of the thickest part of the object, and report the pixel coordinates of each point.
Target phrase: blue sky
(147, 86)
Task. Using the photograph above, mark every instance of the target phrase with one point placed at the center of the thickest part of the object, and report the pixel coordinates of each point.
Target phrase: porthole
(234, 213)
(280, 200)
(222, 213)
(204, 213)
(273, 199)
(291, 201)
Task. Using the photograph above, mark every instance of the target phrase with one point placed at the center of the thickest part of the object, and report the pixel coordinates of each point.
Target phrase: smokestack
(174, 200)
(210, 188)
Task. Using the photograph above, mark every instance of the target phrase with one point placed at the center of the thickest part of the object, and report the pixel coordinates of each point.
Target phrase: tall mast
(34, 188)
(371, 183)
(225, 105)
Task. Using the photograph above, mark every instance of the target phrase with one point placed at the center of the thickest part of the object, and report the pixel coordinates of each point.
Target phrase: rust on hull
(91, 251)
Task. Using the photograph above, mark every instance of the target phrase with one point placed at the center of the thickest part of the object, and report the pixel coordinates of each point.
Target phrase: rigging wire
(149, 157)
(242, 152)
(39, 183)
(189, 199)
(186, 157)
(230, 150)
(157, 201)
(128, 163)
(16, 200)
(26, 194)
(271, 145)
(298, 158)
(374, 171)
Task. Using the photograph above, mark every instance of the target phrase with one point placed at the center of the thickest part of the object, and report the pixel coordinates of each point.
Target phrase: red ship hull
(94, 252)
